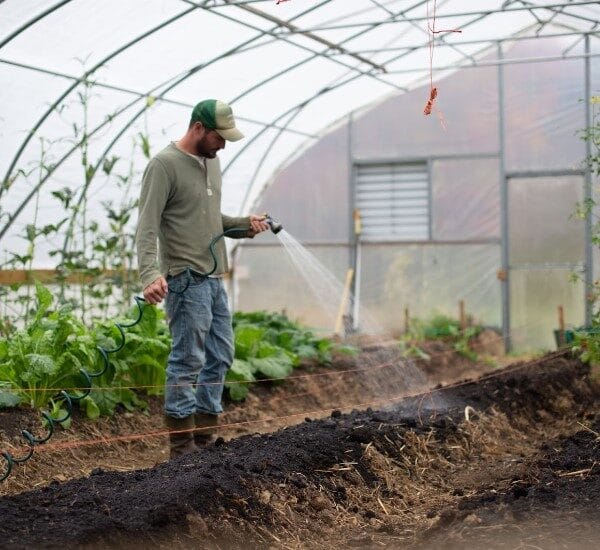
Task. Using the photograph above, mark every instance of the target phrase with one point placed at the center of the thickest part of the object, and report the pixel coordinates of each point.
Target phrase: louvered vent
(393, 200)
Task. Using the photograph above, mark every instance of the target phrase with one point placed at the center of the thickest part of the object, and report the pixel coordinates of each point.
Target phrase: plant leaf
(8, 399)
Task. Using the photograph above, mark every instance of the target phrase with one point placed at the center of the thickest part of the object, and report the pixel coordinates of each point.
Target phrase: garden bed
(416, 473)
(345, 384)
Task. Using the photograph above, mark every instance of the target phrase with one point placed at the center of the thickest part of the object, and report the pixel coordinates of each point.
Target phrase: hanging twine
(433, 91)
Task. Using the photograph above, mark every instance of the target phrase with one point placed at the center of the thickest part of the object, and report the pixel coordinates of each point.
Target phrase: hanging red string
(433, 92)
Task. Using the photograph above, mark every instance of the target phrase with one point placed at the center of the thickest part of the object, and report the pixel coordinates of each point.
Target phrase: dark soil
(554, 505)
(288, 486)
(13, 421)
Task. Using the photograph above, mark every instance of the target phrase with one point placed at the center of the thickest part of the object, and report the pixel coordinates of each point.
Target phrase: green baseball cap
(217, 115)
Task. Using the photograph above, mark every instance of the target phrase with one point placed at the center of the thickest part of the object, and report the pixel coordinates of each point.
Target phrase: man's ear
(197, 126)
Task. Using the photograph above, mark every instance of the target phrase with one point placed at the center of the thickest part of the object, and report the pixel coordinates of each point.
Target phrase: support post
(588, 194)
(462, 315)
(357, 270)
(505, 270)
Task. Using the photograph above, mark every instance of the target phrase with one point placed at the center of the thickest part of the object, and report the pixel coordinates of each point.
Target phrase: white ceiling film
(90, 83)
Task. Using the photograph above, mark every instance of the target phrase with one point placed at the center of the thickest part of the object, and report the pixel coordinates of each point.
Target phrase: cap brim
(230, 134)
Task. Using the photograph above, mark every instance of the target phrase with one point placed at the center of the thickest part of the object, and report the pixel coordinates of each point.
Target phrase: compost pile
(511, 458)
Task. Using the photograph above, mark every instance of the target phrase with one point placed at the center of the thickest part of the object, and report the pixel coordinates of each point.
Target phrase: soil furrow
(379, 467)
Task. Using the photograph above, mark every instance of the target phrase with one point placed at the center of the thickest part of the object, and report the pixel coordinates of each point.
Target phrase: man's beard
(203, 151)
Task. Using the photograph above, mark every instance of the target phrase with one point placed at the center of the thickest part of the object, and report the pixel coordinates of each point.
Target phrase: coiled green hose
(68, 398)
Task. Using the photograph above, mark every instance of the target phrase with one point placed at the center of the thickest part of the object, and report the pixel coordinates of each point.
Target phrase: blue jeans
(202, 348)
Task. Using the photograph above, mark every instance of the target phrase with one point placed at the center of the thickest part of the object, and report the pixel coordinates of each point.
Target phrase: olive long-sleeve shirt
(180, 208)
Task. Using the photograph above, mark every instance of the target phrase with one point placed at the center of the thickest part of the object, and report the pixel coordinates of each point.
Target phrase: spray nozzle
(275, 226)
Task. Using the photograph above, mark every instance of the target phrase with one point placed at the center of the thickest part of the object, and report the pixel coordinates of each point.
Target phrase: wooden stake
(339, 322)
(462, 315)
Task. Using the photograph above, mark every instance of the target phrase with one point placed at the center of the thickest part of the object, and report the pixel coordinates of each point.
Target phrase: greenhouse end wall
(502, 237)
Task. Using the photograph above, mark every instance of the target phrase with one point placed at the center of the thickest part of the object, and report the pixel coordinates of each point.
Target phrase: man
(180, 206)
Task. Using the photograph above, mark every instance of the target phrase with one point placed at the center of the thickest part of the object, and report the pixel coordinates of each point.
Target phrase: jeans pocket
(196, 279)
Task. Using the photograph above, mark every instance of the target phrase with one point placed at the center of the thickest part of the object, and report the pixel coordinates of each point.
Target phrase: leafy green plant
(411, 351)
(586, 341)
(442, 327)
(46, 356)
(269, 345)
(141, 363)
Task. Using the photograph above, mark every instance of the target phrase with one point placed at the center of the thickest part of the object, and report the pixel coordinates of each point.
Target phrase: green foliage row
(442, 327)
(47, 355)
(269, 345)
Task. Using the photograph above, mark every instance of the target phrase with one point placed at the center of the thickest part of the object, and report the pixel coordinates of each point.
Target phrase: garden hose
(69, 399)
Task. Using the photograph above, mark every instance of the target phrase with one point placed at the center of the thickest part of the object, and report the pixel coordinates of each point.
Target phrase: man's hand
(257, 225)
(156, 291)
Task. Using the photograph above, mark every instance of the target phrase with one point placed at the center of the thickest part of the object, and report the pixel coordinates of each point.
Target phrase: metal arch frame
(86, 74)
(302, 105)
(187, 74)
(450, 67)
(485, 13)
(306, 60)
(139, 94)
(32, 21)
(297, 108)
(117, 137)
(312, 36)
(330, 55)
(294, 66)
(292, 43)
(194, 4)
(281, 130)
(79, 80)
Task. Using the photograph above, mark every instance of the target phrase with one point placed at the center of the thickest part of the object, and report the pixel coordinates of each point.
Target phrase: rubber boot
(206, 428)
(182, 441)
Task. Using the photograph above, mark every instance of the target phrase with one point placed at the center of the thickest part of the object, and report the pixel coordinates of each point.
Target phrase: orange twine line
(141, 435)
(293, 377)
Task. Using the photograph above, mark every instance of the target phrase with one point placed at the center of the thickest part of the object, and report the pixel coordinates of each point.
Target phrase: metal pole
(354, 236)
(505, 278)
(589, 252)
(430, 198)
(351, 188)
